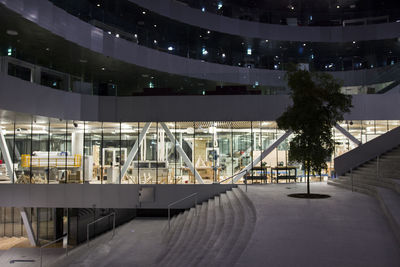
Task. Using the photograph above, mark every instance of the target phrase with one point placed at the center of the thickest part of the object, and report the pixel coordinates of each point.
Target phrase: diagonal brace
(265, 153)
(182, 153)
(135, 149)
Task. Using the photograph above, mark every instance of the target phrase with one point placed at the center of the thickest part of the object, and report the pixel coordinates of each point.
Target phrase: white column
(6, 155)
(135, 149)
(28, 226)
(182, 153)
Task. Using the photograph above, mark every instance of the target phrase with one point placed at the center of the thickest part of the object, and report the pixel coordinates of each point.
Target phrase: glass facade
(56, 151)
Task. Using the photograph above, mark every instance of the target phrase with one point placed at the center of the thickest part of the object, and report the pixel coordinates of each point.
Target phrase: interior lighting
(223, 55)
(9, 51)
(151, 85)
(135, 35)
(249, 51)
(170, 48)
(312, 56)
(354, 42)
(204, 51)
(155, 25)
(12, 32)
(203, 9)
(109, 32)
(266, 41)
(304, 44)
(219, 5)
(103, 68)
(337, 6)
(310, 18)
(98, 5)
(208, 32)
(117, 35)
(155, 41)
(144, 12)
(275, 67)
(256, 83)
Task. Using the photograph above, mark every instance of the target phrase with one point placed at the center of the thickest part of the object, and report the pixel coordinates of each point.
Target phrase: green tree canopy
(317, 105)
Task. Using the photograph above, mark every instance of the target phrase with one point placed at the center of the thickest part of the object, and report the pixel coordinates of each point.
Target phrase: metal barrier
(99, 219)
(178, 201)
(50, 243)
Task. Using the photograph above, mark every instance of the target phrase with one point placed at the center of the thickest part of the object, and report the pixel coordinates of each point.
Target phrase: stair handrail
(50, 243)
(178, 201)
(236, 174)
(95, 221)
(367, 151)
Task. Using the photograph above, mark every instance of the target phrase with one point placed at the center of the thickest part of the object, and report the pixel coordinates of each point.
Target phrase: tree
(317, 105)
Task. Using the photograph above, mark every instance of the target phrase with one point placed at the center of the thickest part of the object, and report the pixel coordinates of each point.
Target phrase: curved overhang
(20, 96)
(195, 17)
(60, 23)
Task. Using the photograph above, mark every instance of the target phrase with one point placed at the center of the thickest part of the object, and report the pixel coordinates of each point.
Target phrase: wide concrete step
(382, 182)
(389, 200)
(215, 237)
(196, 220)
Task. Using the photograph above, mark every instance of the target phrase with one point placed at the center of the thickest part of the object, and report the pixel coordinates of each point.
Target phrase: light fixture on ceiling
(12, 32)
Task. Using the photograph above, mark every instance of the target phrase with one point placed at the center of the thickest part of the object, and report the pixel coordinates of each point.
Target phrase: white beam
(348, 135)
(135, 149)
(28, 226)
(182, 153)
(265, 153)
(6, 155)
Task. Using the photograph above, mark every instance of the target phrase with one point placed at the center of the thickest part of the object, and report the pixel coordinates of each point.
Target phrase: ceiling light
(12, 32)
(135, 35)
(82, 60)
(203, 9)
(266, 41)
(155, 41)
(337, 6)
(155, 25)
(47, 49)
(103, 68)
(98, 5)
(219, 5)
(109, 32)
(144, 12)
(223, 55)
(117, 35)
(354, 42)
(170, 48)
(208, 32)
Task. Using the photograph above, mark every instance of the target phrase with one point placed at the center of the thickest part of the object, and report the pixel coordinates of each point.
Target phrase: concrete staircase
(216, 236)
(379, 178)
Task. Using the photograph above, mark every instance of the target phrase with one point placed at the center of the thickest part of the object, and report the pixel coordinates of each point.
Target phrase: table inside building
(283, 173)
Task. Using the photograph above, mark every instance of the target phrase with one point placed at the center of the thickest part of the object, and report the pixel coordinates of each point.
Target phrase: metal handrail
(52, 242)
(99, 219)
(236, 174)
(178, 201)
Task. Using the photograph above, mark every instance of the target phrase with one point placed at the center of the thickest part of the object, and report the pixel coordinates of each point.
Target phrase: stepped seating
(379, 178)
(216, 236)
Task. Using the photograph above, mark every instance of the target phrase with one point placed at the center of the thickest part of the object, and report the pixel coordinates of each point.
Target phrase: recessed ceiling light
(117, 35)
(82, 60)
(98, 5)
(103, 68)
(12, 32)
(144, 12)
(47, 49)
(155, 25)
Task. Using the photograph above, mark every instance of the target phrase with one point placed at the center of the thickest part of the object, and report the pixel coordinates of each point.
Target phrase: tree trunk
(308, 180)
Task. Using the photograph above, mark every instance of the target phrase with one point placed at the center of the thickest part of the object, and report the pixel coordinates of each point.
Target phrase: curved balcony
(128, 21)
(251, 29)
(304, 13)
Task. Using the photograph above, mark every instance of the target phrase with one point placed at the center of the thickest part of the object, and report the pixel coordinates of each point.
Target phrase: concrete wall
(103, 196)
(59, 22)
(185, 14)
(17, 95)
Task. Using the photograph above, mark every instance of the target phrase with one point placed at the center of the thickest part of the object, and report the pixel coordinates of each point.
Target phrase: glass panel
(111, 153)
(23, 151)
(129, 136)
(93, 144)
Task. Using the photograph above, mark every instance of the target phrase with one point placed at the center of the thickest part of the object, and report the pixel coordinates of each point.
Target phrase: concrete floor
(348, 229)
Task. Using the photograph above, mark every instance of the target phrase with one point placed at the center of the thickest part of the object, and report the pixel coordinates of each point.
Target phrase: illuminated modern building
(141, 94)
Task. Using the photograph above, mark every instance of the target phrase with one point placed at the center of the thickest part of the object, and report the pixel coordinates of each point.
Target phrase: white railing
(99, 219)
(50, 243)
(178, 201)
